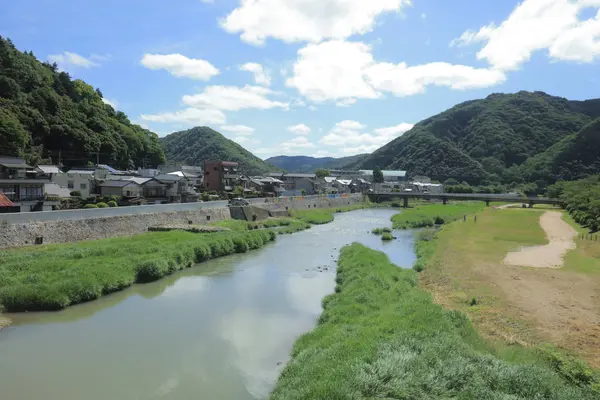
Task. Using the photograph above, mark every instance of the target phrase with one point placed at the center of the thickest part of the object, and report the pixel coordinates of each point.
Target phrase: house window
(71, 184)
(83, 186)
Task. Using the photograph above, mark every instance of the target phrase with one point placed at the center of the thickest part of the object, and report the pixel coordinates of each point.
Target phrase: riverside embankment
(26, 229)
(220, 330)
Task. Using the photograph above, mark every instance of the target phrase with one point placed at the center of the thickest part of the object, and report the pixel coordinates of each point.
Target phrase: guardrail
(44, 216)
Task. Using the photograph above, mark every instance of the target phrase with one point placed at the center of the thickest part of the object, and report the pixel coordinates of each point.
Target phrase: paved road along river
(221, 330)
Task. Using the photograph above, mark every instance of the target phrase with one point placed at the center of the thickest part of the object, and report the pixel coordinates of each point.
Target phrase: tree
(322, 173)
(377, 175)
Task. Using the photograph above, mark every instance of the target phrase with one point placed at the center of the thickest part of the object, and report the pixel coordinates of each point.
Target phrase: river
(221, 330)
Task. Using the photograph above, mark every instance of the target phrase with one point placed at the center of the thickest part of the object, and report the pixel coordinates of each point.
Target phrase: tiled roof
(117, 184)
(49, 169)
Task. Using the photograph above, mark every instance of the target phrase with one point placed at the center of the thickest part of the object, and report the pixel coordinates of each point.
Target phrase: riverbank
(381, 336)
(423, 216)
(53, 277)
(464, 268)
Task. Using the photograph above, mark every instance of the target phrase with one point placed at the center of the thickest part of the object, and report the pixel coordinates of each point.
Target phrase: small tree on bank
(377, 175)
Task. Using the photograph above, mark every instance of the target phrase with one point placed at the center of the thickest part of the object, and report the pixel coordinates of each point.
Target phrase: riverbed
(221, 330)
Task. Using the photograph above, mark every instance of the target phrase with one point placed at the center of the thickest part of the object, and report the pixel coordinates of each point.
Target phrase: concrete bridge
(444, 197)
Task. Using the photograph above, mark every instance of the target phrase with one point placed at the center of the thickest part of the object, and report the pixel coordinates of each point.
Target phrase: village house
(178, 189)
(76, 180)
(220, 176)
(22, 187)
(124, 189)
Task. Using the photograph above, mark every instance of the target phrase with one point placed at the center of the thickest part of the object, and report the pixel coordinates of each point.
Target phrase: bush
(112, 203)
(89, 205)
(151, 271)
(380, 231)
(75, 193)
(102, 205)
(439, 220)
(387, 236)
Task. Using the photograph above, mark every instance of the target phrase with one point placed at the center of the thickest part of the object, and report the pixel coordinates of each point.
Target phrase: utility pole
(60, 157)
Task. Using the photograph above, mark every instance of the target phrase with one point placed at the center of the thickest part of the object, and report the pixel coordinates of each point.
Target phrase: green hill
(199, 144)
(310, 164)
(485, 140)
(44, 113)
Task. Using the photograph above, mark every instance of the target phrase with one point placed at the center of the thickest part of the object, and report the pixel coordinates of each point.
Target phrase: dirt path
(561, 237)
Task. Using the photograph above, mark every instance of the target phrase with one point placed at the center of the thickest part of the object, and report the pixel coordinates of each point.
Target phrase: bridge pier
(405, 202)
(487, 203)
(445, 201)
(531, 204)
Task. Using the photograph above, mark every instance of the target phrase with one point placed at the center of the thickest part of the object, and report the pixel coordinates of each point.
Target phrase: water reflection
(221, 330)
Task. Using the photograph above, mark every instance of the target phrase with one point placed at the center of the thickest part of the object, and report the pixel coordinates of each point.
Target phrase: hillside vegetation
(582, 199)
(310, 164)
(196, 145)
(44, 113)
(491, 140)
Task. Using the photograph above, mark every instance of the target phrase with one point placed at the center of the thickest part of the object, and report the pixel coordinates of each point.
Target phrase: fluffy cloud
(67, 59)
(188, 116)
(240, 130)
(306, 20)
(299, 129)
(295, 146)
(552, 25)
(345, 71)
(233, 98)
(261, 77)
(349, 136)
(180, 66)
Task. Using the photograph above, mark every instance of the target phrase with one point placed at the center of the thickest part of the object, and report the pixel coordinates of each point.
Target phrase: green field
(381, 337)
(52, 277)
(434, 214)
(319, 216)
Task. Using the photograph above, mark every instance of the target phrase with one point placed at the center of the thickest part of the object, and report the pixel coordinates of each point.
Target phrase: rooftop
(13, 162)
(81, 171)
(401, 174)
(49, 169)
(117, 184)
(299, 175)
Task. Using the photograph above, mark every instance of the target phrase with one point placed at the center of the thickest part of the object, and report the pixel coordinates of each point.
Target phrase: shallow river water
(221, 330)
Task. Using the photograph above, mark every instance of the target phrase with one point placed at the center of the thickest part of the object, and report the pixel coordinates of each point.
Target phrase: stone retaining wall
(24, 234)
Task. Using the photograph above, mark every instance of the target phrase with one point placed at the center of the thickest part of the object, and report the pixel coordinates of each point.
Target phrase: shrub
(151, 271)
(439, 220)
(75, 193)
(89, 205)
(387, 236)
(395, 204)
(112, 203)
(380, 231)
(473, 302)
(241, 245)
(102, 205)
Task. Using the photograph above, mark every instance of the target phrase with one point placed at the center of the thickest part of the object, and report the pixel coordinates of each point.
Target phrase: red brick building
(220, 176)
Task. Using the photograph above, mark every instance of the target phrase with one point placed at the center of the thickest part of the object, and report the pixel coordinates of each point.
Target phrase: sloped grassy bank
(381, 336)
(56, 276)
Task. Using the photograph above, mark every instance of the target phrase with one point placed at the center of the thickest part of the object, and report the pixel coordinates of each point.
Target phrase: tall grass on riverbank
(56, 276)
(434, 214)
(380, 336)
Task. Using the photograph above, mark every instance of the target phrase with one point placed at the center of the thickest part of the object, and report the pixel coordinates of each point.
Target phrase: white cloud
(349, 136)
(299, 129)
(423, 16)
(552, 25)
(233, 98)
(306, 20)
(344, 71)
(261, 77)
(180, 66)
(188, 116)
(240, 130)
(113, 103)
(295, 146)
(72, 59)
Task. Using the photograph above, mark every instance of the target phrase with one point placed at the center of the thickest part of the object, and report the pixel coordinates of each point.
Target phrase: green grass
(380, 231)
(381, 337)
(320, 216)
(56, 276)
(434, 214)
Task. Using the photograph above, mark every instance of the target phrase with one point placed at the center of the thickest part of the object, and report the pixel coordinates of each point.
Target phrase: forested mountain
(44, 113)
(485, 141)
(310, 164)
(196, 145)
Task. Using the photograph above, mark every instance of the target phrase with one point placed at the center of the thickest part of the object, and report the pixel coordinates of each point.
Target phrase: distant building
(178, 189)
(23, 186)
(220, 175)
(124, 188)
(388, 175)
(80, 180)
(295, 182)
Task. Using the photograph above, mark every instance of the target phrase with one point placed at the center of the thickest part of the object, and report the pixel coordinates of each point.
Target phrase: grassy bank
(380, 336)
(56, 276)
(434, 214)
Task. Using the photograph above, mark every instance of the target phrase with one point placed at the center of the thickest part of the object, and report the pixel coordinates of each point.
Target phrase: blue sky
(312, 77)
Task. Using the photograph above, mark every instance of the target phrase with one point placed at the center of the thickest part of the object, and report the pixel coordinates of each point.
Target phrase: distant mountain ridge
(199, 144)
(492, 140)
(310, 164)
